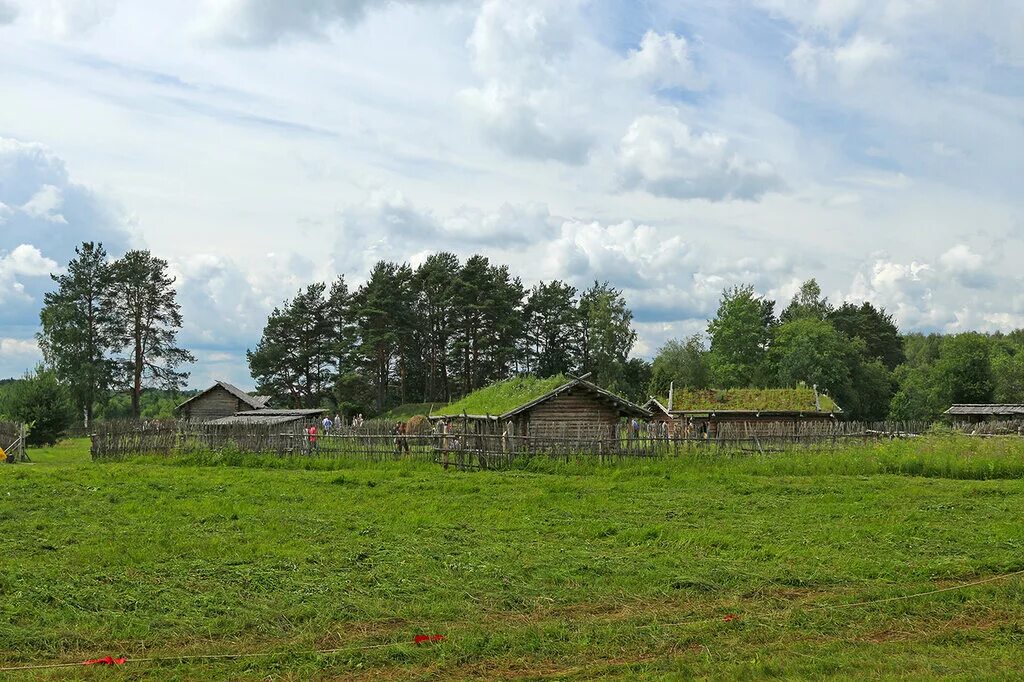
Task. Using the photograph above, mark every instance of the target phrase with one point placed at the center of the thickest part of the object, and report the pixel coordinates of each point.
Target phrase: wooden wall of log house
(573, 410)
(768, 425)
(218, 403)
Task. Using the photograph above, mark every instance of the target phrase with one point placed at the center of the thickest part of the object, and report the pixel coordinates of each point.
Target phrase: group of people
(326, 426)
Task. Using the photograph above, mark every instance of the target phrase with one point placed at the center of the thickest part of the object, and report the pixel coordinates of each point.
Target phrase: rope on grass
(197, 657)
(829, 607)
(903, 597)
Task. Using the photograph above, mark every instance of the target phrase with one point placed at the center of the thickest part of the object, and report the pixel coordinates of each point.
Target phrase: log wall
(215, 404)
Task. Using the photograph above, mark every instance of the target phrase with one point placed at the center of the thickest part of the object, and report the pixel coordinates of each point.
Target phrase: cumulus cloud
(663, 60)
(24, 261)
(8, 12)
(846, 62)
(388, 225)
(66, 18)
(18, 355)
(19, 347)
(663, 156)
(265, 22)
(967, 267)
(43, 217)
(530, 104)
(43, 207)
(225, 303)
(950, 293)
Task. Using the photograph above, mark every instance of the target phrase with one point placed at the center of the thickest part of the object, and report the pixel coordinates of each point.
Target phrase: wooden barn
(973, 413)
(738, 413)
(218, 401)
(559, 407)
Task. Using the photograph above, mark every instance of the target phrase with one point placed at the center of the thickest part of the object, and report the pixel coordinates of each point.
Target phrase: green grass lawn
(568, 571)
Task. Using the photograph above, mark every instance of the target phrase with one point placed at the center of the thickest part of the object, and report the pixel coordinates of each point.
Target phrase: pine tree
(78, 331)
(147, 318)
(552, 329)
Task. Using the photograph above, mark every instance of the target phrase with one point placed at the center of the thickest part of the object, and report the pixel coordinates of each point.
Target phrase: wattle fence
(12, 441)
(461, 443)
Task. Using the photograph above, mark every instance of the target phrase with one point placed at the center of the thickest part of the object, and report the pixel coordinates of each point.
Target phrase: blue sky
(671, 148)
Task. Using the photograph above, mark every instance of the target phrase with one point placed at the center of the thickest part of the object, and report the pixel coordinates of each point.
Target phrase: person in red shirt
(311, 438)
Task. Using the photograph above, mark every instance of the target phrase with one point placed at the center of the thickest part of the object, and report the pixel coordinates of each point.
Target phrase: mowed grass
(735, 567)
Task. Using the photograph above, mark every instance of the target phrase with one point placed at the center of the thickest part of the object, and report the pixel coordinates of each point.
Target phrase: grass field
(724, 567)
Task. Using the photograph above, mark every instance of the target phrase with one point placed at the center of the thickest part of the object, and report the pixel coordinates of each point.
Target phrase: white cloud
(969, 268)
(8, 12)
(44, 204)
(26, 348)
(663, 59)
(265, 22)
(24, 261)
(67, 18)
(848, 62)
(662, 155)
(534, 100)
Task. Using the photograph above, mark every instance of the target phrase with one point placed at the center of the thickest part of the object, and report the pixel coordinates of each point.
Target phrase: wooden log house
(218, 401)
(575, 409)
(735, 413)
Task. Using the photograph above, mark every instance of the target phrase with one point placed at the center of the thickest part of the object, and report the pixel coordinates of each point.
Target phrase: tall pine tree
(78, 328)
(147, 318)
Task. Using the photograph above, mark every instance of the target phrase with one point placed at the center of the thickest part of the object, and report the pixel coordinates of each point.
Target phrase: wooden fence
(1004, 427)
(461, 443)
(12, 440)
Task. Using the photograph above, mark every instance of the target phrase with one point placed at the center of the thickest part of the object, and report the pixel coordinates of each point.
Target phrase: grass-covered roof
(502, 397)
(799, 399)
(408, 411)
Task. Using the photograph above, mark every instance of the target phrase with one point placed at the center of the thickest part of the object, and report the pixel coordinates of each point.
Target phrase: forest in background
(437, 332)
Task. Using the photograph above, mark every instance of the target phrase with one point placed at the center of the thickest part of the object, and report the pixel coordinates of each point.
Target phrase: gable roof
(511, 397)
(777, 400)
(626, 407)
(994, 409)
(654, 405)
(255, 402)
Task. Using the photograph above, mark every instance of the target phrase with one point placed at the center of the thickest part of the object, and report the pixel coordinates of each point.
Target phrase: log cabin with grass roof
(751, 411)
(554, 407)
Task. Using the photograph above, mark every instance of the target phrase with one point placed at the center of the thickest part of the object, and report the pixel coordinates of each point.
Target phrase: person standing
(311, 439)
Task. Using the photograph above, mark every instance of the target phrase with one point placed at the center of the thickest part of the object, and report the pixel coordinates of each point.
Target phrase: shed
(752, 411)
(220, 400)
(556, 407)
(979, 412)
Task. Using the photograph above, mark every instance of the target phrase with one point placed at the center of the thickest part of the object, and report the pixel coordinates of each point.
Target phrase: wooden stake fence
(466, 444)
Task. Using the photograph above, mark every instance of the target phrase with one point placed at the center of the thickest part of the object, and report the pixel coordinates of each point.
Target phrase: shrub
(40, 401)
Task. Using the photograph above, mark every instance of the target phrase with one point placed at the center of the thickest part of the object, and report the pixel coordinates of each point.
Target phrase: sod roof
(408, 410)
(799, 399)
(503, 396)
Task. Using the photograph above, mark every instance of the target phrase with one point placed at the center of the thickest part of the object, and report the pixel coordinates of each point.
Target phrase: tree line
(437, 332)
(855, 353)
